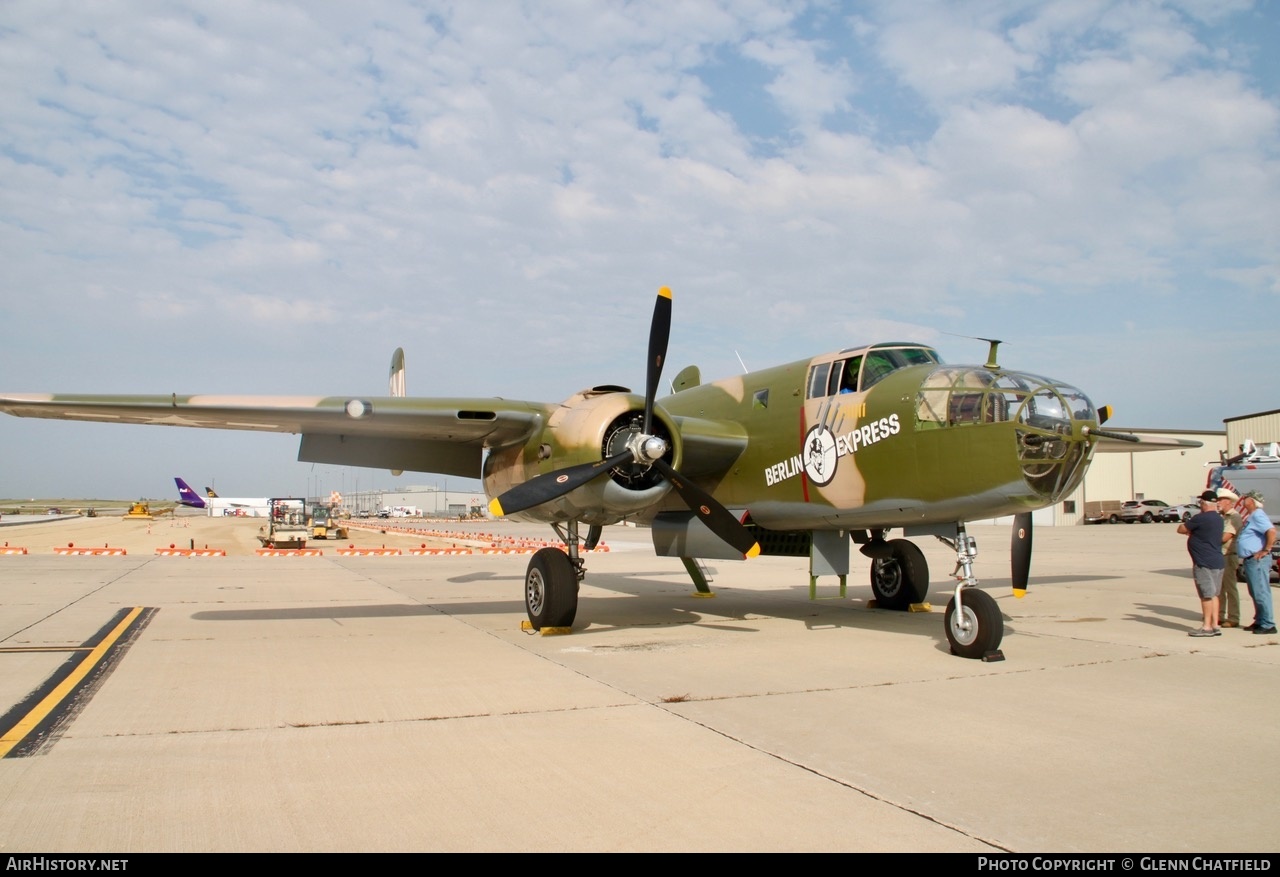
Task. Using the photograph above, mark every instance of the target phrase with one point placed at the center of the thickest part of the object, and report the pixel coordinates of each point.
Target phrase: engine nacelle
(588, 427)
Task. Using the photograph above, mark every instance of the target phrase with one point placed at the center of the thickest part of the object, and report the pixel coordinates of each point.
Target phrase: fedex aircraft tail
(187, 496)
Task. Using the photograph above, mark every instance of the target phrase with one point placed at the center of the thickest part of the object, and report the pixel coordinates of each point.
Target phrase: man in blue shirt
(1204, 543)
(1253, 545)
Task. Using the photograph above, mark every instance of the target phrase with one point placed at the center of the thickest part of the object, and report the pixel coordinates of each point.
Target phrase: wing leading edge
(423, 435)
(1113, 443)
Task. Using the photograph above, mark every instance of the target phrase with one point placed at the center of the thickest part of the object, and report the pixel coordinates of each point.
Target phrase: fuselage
(887, 435)
(870, 437)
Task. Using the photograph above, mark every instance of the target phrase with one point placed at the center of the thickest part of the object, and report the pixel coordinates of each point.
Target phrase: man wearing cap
(1229, 598)
(1253, 546)
(1204, 543)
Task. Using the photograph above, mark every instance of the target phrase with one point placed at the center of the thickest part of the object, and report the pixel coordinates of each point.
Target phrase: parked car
(1144, 510)
(1179, 513)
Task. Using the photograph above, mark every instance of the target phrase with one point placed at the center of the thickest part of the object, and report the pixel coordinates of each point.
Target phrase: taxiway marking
(45, 712)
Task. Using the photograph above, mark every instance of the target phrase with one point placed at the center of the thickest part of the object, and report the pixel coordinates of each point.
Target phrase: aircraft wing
(1112, 442)
(422, 435)
(710, 446)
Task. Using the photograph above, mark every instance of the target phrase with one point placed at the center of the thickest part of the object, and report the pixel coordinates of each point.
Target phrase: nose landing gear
(973, 622)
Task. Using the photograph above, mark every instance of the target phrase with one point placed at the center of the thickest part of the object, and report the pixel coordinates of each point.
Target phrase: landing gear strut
(551, 581)
(973, 622)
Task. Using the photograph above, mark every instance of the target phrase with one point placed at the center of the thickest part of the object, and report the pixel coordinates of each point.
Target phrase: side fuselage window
(818, 380)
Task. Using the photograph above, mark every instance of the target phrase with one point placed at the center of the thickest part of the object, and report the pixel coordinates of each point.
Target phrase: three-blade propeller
(645, 449)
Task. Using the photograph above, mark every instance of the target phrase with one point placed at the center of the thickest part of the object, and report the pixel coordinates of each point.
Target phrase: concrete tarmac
(393, 703)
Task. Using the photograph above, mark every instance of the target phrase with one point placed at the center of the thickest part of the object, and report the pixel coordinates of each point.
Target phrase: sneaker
(1264, 630)
(1202, 632)
(1253, 626)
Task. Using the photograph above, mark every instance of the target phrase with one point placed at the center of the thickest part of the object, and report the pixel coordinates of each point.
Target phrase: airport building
(429, 501)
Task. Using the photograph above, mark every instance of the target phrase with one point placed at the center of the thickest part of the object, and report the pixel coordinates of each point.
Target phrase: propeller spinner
(644, 449)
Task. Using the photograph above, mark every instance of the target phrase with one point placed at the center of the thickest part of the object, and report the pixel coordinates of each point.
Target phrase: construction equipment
(325, 523)
(286, 524)
(139, 511)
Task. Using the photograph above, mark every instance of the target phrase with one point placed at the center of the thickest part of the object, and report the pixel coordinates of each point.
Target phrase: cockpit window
(818, 380)
(849, 375)
(878, 366)
(864, 371)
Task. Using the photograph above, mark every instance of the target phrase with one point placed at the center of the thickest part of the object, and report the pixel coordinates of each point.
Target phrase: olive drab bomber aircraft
(802, 459)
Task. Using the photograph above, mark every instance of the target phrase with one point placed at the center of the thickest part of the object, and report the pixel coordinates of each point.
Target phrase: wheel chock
(920, 607)
(993, 655)
(703, 594)
(527, 625)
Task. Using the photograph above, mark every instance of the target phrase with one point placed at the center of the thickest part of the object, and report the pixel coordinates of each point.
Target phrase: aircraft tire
(902, 578)
(987, 628)
(550, 589)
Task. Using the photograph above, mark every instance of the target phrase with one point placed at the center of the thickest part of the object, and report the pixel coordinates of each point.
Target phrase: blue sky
(270, 197)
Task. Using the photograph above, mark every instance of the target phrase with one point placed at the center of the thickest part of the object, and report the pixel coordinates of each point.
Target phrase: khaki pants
(1229, 604)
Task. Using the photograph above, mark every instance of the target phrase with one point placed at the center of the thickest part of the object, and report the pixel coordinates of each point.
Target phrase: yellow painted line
(51, 701)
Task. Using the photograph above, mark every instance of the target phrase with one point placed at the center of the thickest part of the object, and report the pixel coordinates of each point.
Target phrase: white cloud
(516, 180)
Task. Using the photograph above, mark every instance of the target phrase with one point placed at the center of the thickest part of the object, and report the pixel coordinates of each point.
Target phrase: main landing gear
(551, 581)
(900, 576)
(973, 622)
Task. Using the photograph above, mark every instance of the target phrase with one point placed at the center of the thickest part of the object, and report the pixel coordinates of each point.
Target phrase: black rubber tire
(550, 589)
(902, 578)
(1114, 519)
(1146, 517)
(987, 628)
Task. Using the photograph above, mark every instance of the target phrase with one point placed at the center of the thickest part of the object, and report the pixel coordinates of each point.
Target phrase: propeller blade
(719, 520)
(1020, 553)
(544, 488)
(659, 335)
(552, 485)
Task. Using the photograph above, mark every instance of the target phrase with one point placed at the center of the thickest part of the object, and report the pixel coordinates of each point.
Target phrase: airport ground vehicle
(324, 523)
(1144, 510)
(1104, 511)
(1256, 467)
(286, 524)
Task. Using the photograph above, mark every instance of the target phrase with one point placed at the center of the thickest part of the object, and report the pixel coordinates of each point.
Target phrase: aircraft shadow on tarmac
(663, 598)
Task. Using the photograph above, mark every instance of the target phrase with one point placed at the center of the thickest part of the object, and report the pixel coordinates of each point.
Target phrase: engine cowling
(588, 427)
